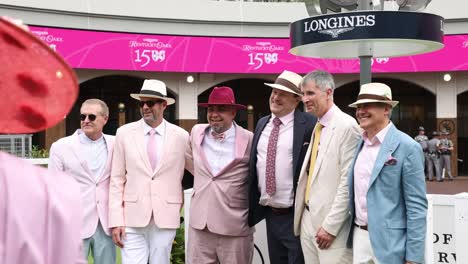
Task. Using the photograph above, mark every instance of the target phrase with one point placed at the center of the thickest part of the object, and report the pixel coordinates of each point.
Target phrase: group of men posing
(330, 192)
(437, 154)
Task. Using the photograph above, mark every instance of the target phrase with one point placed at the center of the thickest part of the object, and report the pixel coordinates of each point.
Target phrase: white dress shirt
(95, 153)
(160, 133)
(219, 153)
(284, 195)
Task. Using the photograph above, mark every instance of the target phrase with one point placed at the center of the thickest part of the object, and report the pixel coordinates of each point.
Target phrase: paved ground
(460, 184)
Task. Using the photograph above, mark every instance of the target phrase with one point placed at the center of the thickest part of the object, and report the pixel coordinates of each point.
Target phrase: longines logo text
(337, 25)
(262, 46)
(150, 43)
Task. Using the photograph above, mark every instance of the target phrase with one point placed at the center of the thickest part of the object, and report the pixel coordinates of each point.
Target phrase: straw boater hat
(222, 96)
(288, 81)
(374, 93)
(37, 87)
(154, 89)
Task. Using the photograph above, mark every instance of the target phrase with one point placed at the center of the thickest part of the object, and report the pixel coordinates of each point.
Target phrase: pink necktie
(217, 136)
(271, 158)
(151, 148)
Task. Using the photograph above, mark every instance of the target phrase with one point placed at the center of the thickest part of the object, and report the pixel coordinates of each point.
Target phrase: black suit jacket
(303, 126)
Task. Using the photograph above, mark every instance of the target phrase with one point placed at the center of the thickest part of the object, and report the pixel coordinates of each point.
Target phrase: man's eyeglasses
(90, 117)
(149, 103)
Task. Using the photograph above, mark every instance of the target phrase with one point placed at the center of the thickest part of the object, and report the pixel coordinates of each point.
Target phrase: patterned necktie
(313, 158)
(151, 148)
(218, 136)
(271, 158)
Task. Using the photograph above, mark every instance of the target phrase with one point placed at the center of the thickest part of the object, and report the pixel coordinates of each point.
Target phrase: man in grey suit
(386, 185)
(321, 214)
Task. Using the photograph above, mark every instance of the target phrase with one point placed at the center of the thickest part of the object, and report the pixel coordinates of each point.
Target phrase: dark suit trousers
(283, 246)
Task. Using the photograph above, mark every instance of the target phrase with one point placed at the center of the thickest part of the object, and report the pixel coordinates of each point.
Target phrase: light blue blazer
(396, 200)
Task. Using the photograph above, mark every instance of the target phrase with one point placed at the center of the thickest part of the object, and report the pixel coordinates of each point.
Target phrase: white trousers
(362, 249)
(338, 254)
(149, 242)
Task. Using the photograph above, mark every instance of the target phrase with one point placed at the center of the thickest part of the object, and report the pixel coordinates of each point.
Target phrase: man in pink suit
(39, 210)
(218, 159)
(86, 156)
(146, 180)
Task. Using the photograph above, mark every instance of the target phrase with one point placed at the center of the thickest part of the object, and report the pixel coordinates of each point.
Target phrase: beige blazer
(220, 202)
(329, 198)
(66, 156)
(136, 192)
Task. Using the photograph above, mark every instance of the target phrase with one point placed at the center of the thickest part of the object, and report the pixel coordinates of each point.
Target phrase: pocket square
(391, 161)
(305, 144)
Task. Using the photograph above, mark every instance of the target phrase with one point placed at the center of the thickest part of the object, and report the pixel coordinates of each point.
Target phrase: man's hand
(118, 235)
(324, 239)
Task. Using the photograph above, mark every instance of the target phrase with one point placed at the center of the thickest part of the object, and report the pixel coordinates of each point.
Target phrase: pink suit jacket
(39, 215)
(136, 192)
(66, 156)
(220, 202)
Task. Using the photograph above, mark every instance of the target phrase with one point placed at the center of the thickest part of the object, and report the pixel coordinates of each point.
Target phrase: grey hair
(104, 108)
(322, 79)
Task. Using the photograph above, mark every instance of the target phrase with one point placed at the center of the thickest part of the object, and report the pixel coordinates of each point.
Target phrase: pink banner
(164, 53)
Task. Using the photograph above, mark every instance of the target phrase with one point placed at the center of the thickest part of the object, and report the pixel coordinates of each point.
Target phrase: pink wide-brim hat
(222, 96)
(38, 88)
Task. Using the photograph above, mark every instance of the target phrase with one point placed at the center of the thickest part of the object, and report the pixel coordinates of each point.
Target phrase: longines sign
(381, 29)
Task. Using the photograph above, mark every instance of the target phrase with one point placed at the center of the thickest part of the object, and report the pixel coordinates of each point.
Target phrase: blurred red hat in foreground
(37, 87)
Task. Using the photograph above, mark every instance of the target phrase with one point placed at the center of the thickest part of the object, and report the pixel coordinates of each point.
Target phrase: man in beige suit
(220, 152)
(321, 210)
(146, 180)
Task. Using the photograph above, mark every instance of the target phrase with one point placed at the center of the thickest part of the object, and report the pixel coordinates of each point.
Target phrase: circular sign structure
(369, 33)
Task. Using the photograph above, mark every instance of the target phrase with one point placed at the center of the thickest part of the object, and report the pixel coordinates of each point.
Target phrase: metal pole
(365, 52)
(365, 73)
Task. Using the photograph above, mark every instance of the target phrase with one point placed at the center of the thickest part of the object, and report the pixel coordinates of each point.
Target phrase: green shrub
(38, 153)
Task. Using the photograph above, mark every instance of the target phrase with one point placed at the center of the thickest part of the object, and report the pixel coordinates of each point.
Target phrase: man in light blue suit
(386, 185)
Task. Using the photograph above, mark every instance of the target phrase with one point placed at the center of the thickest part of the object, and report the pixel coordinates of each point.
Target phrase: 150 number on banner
(144, 57)
(258, 59)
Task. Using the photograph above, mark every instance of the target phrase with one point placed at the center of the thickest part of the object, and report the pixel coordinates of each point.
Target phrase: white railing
(446, 237)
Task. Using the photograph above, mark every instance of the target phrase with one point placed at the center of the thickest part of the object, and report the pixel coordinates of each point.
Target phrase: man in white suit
(146, 180)
(321, 214)
(86, 156)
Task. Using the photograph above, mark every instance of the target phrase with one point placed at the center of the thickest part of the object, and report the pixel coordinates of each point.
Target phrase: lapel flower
(391, 161)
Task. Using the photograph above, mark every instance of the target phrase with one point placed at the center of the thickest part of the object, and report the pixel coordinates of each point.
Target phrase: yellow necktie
(313, 158)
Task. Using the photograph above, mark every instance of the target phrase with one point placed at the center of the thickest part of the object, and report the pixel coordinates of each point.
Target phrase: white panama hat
(288, 81)
(154, 89)
(374, 93)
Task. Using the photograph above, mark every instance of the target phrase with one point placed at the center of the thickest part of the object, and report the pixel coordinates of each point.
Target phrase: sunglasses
(90, 117)
(149, 103)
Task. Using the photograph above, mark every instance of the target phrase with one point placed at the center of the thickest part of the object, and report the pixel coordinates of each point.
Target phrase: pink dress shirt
(362, 172)
(284, 195)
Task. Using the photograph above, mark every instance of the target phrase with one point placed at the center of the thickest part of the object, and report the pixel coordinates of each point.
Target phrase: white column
(446, 97)
(187, 100)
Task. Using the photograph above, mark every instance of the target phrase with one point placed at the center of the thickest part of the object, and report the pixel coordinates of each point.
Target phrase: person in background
(422, 139)
(434, 158)
(445, 149)
(86, 156)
